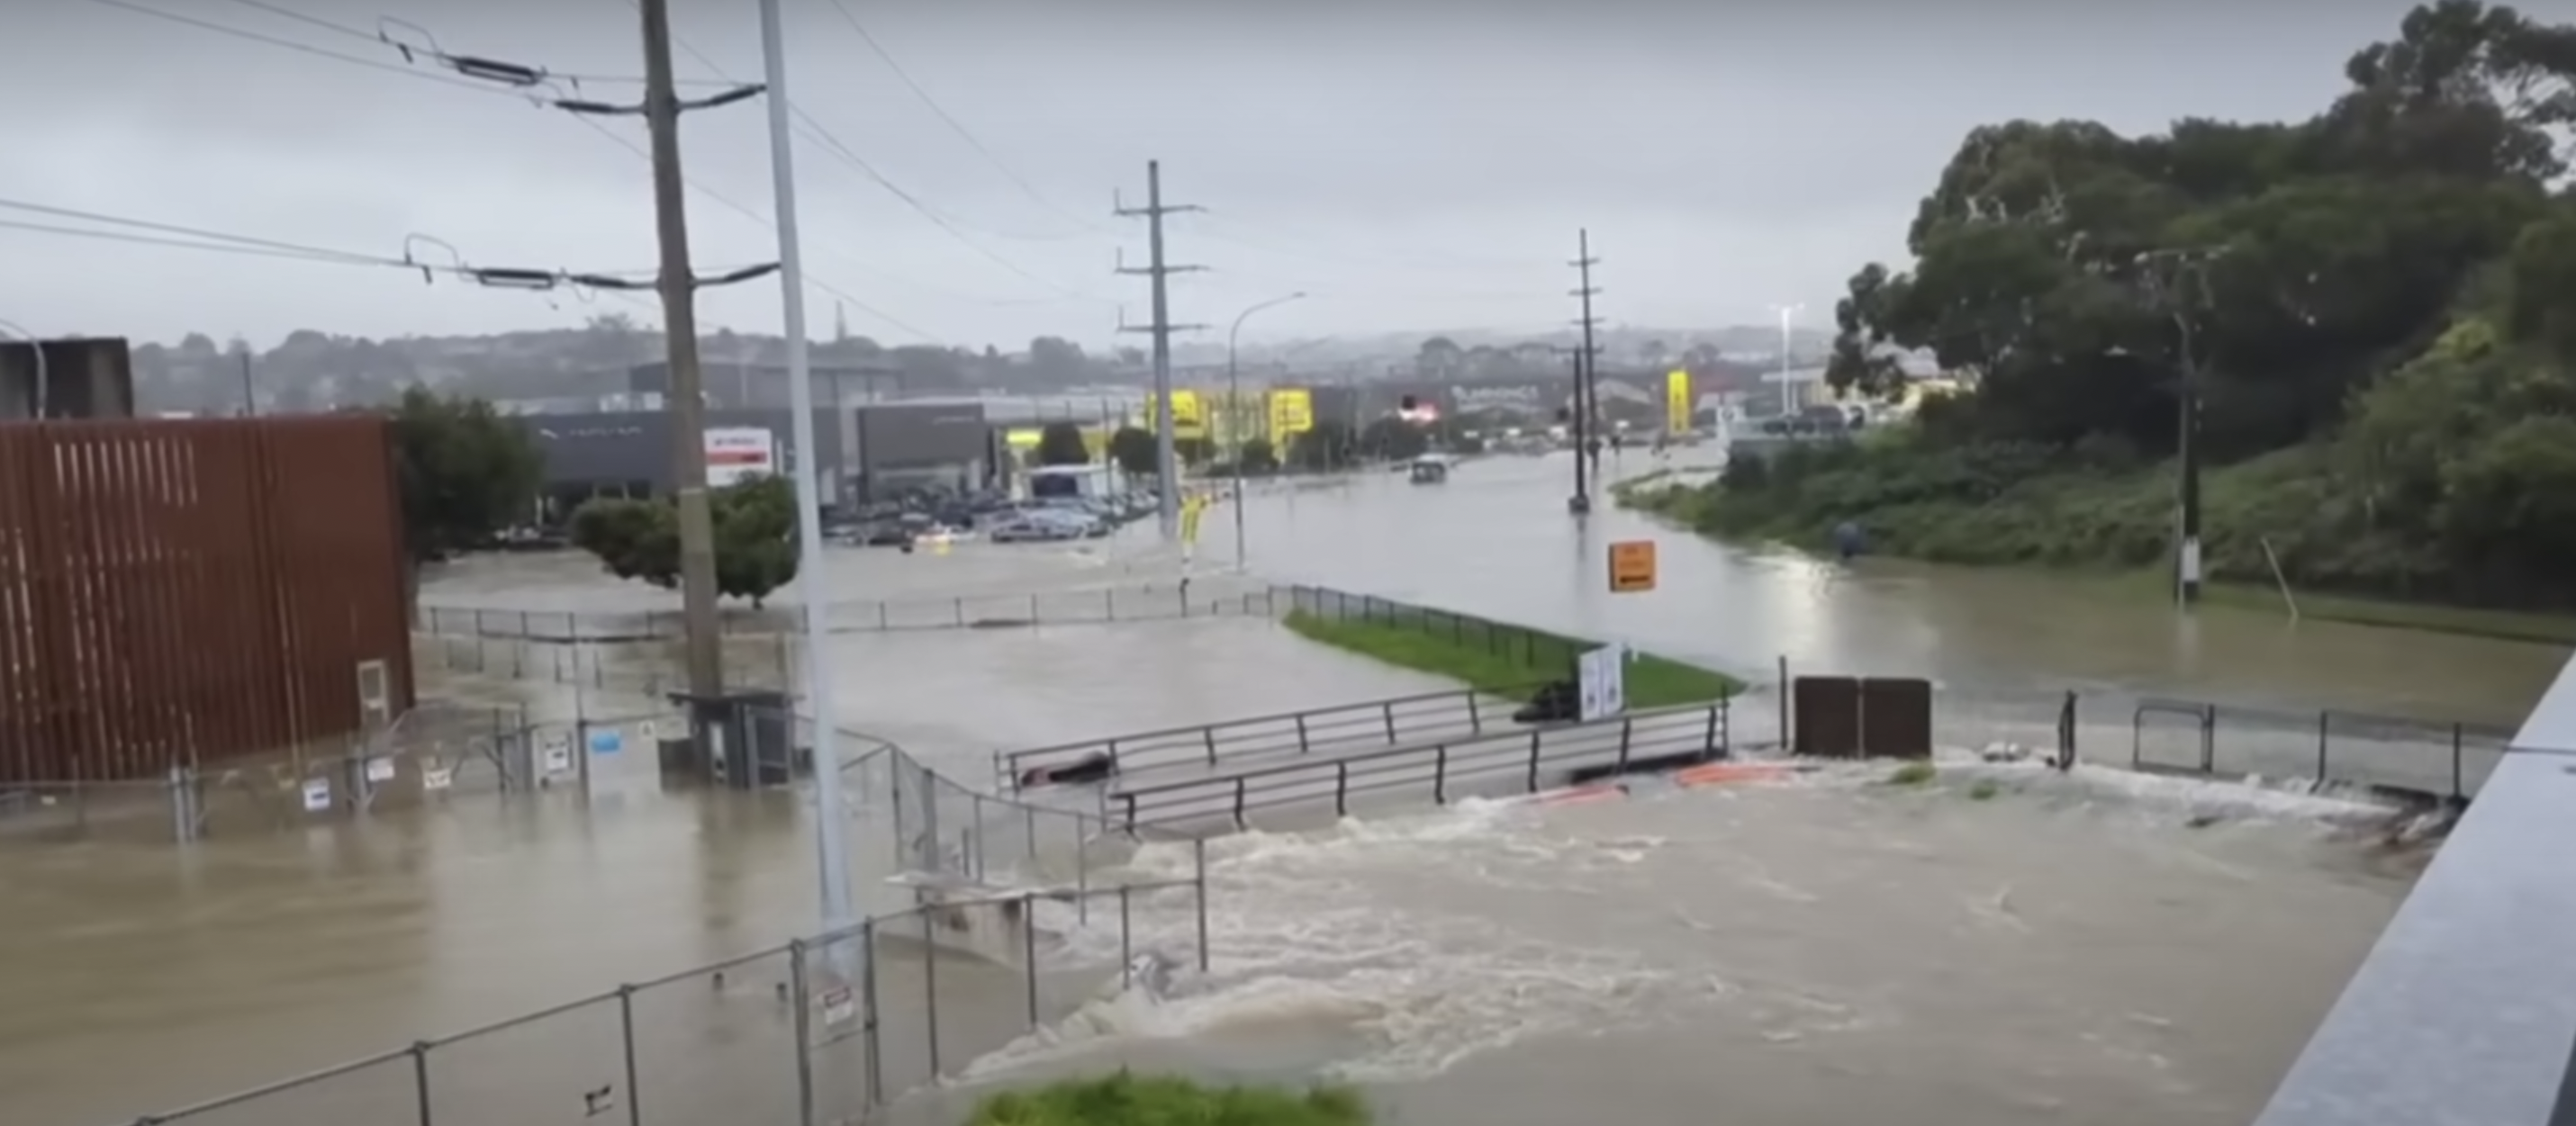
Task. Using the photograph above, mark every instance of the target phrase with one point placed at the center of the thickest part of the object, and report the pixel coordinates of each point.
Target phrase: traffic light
(1407, 404)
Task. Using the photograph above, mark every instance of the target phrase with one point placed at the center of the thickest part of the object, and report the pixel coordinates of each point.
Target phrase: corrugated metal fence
(182, 592)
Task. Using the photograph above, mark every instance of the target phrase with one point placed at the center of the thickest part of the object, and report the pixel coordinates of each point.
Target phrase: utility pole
(1585, 376)
(2178, 280)
(1166, 462)
(250, 399)
(685, 396)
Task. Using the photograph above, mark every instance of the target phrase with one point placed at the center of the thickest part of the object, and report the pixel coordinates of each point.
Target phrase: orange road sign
(1632, 566)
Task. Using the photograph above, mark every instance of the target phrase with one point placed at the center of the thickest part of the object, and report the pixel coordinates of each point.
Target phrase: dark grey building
(863, 453)
(81, 377)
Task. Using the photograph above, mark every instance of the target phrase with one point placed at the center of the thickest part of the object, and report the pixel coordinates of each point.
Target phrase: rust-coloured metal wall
(186, 591)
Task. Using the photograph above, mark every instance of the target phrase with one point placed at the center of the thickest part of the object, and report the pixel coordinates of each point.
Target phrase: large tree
(755, 529)
(466, 472)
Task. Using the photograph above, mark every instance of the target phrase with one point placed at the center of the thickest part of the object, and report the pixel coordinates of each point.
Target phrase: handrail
(1665, 735)
(1302, 731)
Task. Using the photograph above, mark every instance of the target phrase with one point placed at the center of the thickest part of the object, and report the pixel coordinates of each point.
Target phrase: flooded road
(1831, 953)
(2061, 949)
(136, 977)
(1495, 541)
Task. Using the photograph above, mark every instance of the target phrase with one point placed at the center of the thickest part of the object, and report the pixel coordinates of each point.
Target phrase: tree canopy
(755, 530)
(2383, 294)
(1123, 1099)
(1135, 451)
(466, 472)
(1060, 443)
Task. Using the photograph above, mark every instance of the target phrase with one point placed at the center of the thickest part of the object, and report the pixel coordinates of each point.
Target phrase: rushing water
(1807, 954)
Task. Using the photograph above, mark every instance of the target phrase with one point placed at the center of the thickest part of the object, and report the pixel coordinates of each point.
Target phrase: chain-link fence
(1532, 648)
(435, 755)
(815, 1032)
(1157, 602)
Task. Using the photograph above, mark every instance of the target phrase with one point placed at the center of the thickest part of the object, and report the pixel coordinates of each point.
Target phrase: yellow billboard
(1024, 440)
(1677, 402)
(1292, 412)
(1189, 415)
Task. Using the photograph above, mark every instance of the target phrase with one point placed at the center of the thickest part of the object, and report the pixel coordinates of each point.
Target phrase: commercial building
(864, 453)
(80, 377)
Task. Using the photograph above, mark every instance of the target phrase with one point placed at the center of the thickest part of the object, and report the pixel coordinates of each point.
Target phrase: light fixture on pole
(1788, 319)
(1234, 409)
(815, 594)
(44, 380)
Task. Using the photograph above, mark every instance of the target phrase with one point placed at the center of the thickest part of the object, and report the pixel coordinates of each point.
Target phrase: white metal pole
(1234, 404)
(1788, 314)
(829, 827)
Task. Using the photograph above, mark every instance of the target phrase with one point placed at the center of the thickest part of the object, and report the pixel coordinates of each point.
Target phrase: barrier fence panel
(1426, 717)
(717, 1044)
(1213, 596)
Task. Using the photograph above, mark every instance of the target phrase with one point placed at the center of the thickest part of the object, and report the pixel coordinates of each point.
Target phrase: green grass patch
(1502, 659)
(1916, 773)
(1131, 1100)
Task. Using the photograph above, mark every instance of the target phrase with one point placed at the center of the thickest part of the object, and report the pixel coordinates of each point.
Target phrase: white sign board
(839, 1007)
(380, 770)
(736, 454)
(317, 795)
(1601, 682)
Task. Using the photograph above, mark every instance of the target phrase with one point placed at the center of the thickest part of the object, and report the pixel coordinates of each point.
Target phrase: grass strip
(1131, 1100)
(1505, 660)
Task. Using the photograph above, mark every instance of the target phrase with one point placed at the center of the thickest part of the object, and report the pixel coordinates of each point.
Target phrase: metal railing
(1153, 602)
(1387, 722)
(1440, 772)
(2444, 760)
(816, 1031)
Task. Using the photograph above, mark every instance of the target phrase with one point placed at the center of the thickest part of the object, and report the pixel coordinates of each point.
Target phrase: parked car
(1080, 522)
(1027, 528)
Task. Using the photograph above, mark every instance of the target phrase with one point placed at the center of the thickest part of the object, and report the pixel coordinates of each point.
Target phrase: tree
(1133, 449)
(2371, 304)
(1193, 452)
(1056, 359)
(755, 530)
(1061, 443)
(1440, 358)
(1328, 445)
(466, 472)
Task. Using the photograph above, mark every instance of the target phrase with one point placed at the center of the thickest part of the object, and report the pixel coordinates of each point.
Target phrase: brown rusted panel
(1896, 717)
(1825, 713)
(192, 591)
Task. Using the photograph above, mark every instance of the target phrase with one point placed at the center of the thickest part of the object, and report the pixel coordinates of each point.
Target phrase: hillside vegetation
(2379, 303)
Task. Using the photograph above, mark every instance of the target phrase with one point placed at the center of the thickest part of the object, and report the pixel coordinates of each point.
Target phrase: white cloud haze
(1413, 166)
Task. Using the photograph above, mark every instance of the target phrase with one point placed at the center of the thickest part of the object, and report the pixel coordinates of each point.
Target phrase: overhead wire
(286, 44)
(814, 130)
(382, 37)
(956, 126)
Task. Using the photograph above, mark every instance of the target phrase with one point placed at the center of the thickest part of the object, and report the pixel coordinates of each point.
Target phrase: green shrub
(1125, 1099)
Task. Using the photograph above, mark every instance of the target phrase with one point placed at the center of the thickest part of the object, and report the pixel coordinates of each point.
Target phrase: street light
(1234, 406)
(1788, 317)
(37, 347)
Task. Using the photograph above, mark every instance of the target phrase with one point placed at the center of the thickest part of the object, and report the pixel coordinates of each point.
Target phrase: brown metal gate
(1850, 717)
(184, 591)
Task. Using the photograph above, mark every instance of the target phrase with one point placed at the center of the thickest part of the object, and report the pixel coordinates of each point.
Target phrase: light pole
(839, 913)
(1788, 319)
(1234, 406)
(44, 382)
(2187, 285)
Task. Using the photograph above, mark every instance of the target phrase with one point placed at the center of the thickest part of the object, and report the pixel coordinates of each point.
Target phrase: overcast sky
(1410, 165)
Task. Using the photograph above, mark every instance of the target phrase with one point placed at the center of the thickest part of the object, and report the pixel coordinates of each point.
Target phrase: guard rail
(1389, 722)
(1444, 770)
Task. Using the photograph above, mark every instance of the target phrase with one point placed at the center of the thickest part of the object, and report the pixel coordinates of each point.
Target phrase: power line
(309, 49)
(383, 36)
(176, 236)
(814, 130)
(951, 121)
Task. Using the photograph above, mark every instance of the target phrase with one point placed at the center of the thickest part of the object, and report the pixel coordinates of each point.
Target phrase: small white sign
(839, 1006)
(645, 731)
(437, 777)
(1601, 682)
(380, 770)
(558, 759)
(317, 795)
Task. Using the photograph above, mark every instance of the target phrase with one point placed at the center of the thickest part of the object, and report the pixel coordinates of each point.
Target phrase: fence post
(1033, 608)
(930, 984)
(626, 1033)
(803, 990)
(420, 1082)
(1785, 736)
(2209, 738)
(1535, 744)
(882, 625)
(1081, 868)
(2459, 783)
(2323, 719)
(871, 1044)
(1029, 952)
(957, 609)
(1126, 943)
(1198, 865)
(1109, 604)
